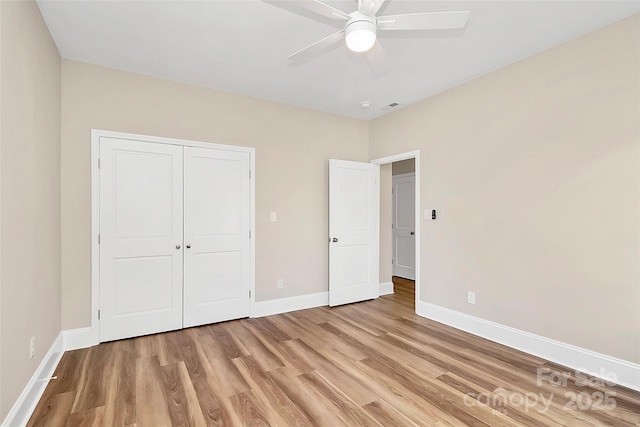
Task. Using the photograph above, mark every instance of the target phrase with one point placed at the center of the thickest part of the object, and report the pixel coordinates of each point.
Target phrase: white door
(404, 255)
(140, 238)
(216, 235)
(354, 212)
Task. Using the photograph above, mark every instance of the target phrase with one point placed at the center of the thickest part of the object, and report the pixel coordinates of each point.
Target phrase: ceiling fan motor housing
(360, 32)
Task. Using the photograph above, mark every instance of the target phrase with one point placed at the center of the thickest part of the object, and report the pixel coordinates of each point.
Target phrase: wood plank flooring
(373, 363)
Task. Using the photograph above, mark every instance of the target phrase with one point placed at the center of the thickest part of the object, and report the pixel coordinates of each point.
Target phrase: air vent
(388, 107)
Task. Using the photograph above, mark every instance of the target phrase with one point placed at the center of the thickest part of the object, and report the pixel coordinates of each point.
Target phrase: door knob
(334, 240)
(412, 233)
(188, 246)
(177, 246)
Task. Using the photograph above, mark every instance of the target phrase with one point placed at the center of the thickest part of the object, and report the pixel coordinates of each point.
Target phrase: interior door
(403, 232)
(140, 238)
(354, 212)
(217, 245)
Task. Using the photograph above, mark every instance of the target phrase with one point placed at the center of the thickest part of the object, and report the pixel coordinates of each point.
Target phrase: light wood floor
(371, 363)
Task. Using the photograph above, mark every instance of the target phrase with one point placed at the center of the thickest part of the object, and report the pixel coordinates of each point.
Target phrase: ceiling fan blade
(314, 6)
(371, 7)
(317, 46)
(324, 10)
(424, 21)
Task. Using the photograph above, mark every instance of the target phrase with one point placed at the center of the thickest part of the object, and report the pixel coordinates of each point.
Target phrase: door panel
(216, 197)
(140, 226)
(220, 267)
(354, 210)
(132, 276)
(404, 226)
(217, 246)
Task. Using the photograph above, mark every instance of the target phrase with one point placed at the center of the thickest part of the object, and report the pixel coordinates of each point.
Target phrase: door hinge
(249, 233)
(249, 173)
(98, 314)
(249, 293)
(98, 239)
(98, 163)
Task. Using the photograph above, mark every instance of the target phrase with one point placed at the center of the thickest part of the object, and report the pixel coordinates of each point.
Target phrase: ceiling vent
(389, 107)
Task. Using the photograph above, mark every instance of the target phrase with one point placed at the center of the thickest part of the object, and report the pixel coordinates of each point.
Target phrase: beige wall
(30, 190)
(535, 172)
(386, 218)
(293, 146)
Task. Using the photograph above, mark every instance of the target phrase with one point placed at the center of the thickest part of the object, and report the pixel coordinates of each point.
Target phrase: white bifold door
(216, 235)
(174, 237)
(140, 238)
(354, 222)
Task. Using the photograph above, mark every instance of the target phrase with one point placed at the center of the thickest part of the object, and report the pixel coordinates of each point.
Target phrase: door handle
(334, 240)
(177, 246)
(412, 233)
(188, 246)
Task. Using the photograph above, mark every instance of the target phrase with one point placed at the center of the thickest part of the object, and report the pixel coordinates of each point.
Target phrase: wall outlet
(280, 284)
(32, 347)
(471, 297)
(273, 216)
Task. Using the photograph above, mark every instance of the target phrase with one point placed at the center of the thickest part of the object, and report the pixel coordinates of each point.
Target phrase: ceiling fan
(361, 27)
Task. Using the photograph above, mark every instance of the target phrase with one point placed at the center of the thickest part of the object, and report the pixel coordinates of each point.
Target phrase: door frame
(96, 134)
(396, 158)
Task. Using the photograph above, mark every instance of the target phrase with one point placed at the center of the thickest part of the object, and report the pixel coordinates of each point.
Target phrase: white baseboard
(590, 362)
(75, 339)
(30, 396)
(386, 288)
(284, 305)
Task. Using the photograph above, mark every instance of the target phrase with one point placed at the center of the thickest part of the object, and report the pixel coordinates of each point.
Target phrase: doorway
(403, 164)
(403, 219)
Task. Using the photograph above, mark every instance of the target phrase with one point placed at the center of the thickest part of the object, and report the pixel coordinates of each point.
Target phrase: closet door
(216, 235)
(140, 238)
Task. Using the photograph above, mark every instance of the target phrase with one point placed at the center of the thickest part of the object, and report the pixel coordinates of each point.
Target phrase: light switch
(273, 217)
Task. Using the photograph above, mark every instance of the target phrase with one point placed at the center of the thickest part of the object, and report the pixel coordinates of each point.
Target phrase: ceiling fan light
(360, 36)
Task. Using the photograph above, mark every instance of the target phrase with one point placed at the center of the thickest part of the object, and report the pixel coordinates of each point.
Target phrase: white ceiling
(240, 46)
